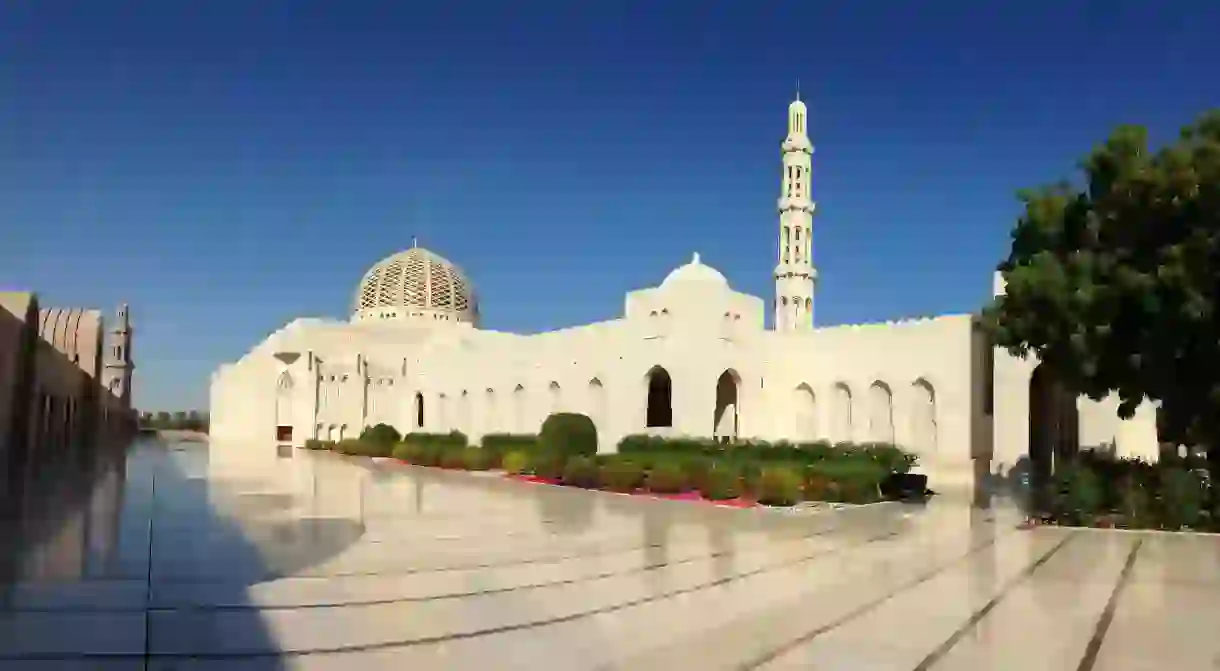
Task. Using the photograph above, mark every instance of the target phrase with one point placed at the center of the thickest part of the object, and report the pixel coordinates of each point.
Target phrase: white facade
(413, 355)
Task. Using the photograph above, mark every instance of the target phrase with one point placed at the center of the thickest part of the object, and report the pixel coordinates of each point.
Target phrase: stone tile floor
(183, 557)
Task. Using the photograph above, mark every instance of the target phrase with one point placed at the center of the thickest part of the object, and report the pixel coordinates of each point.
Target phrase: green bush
(1076, 495)
(549, 465)
(1183, 498)
(318, 444)
(361, 448)
(428, 454)
(477, 459)
(452, 438)
(503, 443)
(1135, 505)
(407, 452)
(779, 486)
(667, 477)
(453, 456)
(621, 475)
(722, 482)
(516, 462)
(581, 472)
(568, 434)
(380, 434)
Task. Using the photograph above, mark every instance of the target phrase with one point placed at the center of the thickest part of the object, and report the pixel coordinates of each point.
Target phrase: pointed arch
(555, 397)
(491, 411)
(596, 402)
(419, 410)
(881, 412)
(463, 418)
(805, 407)
(841, 412)
(725, 416)
(923, 417)
(518, 403)
(659, 411)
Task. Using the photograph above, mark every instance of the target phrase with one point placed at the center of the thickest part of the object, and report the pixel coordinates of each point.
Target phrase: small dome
(417, 278)
(695, 273)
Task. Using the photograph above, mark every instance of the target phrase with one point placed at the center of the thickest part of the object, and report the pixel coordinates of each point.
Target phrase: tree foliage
(1114, 285)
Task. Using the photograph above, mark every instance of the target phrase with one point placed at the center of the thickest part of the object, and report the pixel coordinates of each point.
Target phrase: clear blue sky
(226, 166)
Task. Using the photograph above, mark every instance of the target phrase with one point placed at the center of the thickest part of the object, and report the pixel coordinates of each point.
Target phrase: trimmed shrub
(667, 477)
(318, 444)
(581, 472)
(516, 462)
(407, 452)
(779, 486)
(549, 465)
(428, 454)
(722, 482)
(477, 458)
(621, 475)
(503, 443)
(1183, 498)
(568, 434)
(380, 434)
(354, 447)
(452, 438)
(453, 456)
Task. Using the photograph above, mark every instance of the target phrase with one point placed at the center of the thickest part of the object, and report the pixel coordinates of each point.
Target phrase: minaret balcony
(802, 204)
(797, 143)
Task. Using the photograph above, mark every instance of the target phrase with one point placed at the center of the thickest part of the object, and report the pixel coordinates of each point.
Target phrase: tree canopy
(1113, 284)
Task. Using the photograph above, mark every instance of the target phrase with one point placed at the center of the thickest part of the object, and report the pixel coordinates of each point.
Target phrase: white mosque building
(689, 357)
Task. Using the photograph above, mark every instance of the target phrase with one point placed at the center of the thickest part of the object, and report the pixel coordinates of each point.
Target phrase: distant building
(688, 357)
(65, 381)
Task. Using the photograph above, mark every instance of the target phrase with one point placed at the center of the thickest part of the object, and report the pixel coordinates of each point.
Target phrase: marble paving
(176, 558)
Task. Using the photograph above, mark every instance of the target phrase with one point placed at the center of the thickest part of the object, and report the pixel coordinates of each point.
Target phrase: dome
(423, 282)
(695, 273)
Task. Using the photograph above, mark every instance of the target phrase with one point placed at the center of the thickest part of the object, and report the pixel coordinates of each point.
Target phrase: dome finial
(695, 258)
(798, 89)
(414, 242)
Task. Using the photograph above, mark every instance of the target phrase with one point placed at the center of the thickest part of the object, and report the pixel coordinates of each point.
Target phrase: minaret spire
(795, 275)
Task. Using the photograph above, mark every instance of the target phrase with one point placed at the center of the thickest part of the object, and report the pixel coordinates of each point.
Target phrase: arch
(881, 412)
(1054, 425)
(284, 383)
(923, 417)
(342, 431)
(519, 409)
(330, 433)
(555, 393)
(596, 402)
(419, 410)
(659, 411)
(841, 412)
(491, 419)
(463, 412)
(806, 412)
(442, 412)
(317, 431)
(726, 415)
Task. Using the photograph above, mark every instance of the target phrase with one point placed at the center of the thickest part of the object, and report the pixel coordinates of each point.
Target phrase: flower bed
(741, 474)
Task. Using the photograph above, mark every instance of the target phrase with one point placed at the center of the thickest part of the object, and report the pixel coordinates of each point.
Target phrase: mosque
(690, 357)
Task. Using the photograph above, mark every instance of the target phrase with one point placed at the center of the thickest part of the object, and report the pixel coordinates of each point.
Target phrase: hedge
(568, 434)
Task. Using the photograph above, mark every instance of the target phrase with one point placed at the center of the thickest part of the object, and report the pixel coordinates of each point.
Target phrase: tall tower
(795, 275)
(119, 365)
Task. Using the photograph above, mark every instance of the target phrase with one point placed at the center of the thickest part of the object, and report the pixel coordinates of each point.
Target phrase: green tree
(1114, 284)
(162, 420)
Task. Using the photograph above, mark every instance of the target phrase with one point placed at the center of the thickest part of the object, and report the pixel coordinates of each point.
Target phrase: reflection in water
(65, 524)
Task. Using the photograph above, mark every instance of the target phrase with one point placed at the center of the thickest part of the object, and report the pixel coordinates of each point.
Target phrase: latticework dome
(416, 283)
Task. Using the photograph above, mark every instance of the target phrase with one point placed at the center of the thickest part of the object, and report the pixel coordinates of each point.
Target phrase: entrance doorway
(724, 419)
(660, 411)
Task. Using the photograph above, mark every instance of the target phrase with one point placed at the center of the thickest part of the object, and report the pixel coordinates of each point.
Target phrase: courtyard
(169, 559)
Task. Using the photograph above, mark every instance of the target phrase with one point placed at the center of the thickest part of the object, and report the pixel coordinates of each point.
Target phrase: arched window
(923, 417)
(519, 409)
(881, 412)
(726, 415)
(806, 413)
(419, 410)
(659, 411)
(841, 412)
(556, 397)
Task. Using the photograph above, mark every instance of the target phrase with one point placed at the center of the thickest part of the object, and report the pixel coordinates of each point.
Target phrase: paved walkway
(169, 561)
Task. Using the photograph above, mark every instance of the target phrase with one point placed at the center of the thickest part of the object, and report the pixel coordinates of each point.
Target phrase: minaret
(119, 366)
(795, 275)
